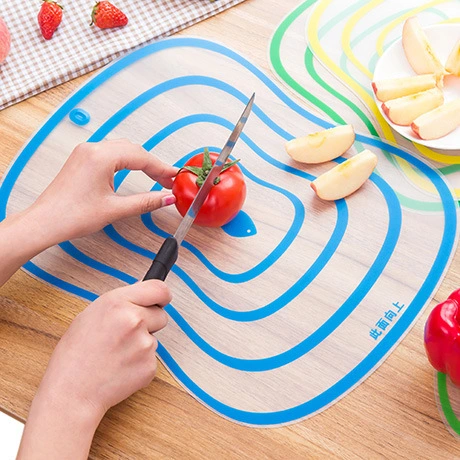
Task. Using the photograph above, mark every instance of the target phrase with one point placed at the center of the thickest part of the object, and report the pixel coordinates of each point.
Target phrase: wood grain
(391, 415)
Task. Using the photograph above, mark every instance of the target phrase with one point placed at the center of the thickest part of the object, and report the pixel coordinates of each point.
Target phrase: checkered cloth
(35, 64)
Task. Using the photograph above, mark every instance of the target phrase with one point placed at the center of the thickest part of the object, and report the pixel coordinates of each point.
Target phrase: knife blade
(167, 255)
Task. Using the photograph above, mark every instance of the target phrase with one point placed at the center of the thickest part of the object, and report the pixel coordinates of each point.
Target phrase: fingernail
(168, 200)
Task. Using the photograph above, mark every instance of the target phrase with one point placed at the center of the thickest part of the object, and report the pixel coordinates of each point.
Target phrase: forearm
(58, 428)
(22, 237)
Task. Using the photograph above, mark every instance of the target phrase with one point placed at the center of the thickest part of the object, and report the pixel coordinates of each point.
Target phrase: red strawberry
(49, 18)
(106, 16)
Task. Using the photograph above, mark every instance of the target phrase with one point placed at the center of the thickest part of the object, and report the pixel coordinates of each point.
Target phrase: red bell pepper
(442, 337)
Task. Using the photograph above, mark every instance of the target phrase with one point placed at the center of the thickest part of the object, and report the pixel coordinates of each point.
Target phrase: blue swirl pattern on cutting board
(269, 362)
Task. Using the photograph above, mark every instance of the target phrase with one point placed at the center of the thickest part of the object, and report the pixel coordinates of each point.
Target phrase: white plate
(393, 64)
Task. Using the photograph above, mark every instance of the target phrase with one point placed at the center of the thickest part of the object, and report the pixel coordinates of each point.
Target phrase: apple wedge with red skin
(321, 146)
(345, 178)
(404, 110)
(393, 88)
(438, 122)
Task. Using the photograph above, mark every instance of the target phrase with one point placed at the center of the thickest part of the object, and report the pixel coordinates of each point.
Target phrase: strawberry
(106, 16)
(49, 18)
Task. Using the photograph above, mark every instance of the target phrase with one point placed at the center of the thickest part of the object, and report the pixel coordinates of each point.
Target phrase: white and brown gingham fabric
(35, 64)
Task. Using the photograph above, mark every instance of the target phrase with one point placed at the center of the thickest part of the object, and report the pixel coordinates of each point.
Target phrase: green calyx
(203, 171)
(93, 13)
(53, 1)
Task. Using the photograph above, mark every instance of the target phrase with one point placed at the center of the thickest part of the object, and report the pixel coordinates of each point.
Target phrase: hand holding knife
(167, 255)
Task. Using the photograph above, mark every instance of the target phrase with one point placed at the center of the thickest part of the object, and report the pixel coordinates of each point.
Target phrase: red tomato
(225, 199)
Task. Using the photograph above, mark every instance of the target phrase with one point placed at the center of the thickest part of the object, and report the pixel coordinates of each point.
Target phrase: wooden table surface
(392, 414)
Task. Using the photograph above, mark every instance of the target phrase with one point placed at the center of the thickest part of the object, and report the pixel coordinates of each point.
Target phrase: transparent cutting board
(281, 314)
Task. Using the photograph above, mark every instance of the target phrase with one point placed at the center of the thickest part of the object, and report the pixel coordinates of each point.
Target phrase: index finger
(135, 158)
(147, 293)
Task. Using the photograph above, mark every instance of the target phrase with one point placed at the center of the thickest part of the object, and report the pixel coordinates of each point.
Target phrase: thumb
(141, 203)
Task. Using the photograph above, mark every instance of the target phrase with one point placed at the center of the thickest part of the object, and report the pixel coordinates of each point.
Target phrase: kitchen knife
(167, 255)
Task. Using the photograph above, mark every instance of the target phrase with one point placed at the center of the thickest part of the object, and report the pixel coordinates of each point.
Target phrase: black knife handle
(164, 260)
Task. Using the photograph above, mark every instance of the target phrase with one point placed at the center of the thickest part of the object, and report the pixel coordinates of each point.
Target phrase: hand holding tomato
(226, 197)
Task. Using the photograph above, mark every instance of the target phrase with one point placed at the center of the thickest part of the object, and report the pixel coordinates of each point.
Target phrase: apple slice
(438, 122)
(453, 61)
(321, 146)
(346, 177)
(404, 110)
(398, 87)
(418, 50)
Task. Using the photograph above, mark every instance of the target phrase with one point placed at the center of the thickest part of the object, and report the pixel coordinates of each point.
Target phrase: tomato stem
(203, 171)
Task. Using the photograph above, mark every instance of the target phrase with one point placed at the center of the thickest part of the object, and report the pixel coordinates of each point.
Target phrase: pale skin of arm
(108, 352)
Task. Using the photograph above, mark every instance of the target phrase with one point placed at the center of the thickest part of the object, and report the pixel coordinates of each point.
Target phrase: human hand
(108, 352)
(106, 355)
(81, 199)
